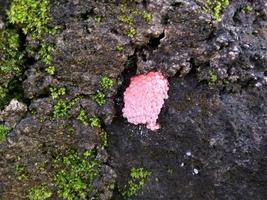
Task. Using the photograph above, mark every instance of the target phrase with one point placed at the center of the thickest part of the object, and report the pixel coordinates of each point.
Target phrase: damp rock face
(212, 140)
(144, 98)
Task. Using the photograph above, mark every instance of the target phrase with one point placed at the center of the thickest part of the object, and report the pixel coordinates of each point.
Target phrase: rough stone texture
(223, 137)
(144, 98)
(212, 144)
(13, 113)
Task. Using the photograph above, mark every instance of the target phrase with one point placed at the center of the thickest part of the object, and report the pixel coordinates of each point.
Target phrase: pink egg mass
(144, 98)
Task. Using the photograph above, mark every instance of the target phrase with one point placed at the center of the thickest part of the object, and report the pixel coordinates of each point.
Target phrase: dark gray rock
(212, 143)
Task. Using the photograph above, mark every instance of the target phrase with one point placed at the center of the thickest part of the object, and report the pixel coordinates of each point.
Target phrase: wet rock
(238, 48)
(37, 83)
(206, 138)
(107, 184)
(216, 111)
(185, 27)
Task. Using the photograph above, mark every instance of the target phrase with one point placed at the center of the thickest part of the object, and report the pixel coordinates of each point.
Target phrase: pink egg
(144, 98)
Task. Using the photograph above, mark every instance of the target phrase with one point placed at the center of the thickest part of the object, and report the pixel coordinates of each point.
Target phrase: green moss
(11, 57)
(103, 139)
(83, 117)
(216, 7)
(247, 9)
(147, 16)
(95, 122)
(31, 15)
(61, 109)
(98, 19)
(119, 48)
(11, 60)
(106, 82)
(136, 182)
(131, 32)
(99, 97)
(74, 180)
(213, 77)
(3, 133)
(136, 12)
(126, 19)
(20, 172)
(45, 54)
(39, 193)
(69, 130)
(57, 92)
(50, 70)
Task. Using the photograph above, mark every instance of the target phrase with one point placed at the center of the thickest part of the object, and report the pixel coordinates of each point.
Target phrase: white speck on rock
(258, 84)
(195, 171)
(188, 153)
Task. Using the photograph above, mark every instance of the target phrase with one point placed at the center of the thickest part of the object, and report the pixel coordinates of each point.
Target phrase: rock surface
(13, 113)
(212, 144)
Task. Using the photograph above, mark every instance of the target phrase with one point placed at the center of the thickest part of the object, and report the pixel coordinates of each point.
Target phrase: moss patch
(99, 97)
(216, 7)
(31, 15)
(39, 193)
(136, 182)
(3, 133)
(75, 178)
(11, 60)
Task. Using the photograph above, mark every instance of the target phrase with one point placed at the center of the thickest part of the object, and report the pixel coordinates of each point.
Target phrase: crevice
(27, 62)
(154, 42)
(145, 3)
(165, 20)
(128, 72)
(152, 45)
(130, 69)
(177, 4)
(15, 89)
(85, 16)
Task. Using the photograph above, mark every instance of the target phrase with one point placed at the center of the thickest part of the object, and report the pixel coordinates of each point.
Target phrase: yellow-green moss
(39, 193)
(76, 174)
(216, 7)
(83, 118)
(137, 180)
(213, 77)
(61, 109)
(31, 16)
(106, 82)
(57, 92)
(99, 97)
(11, 60)
(3, 133)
